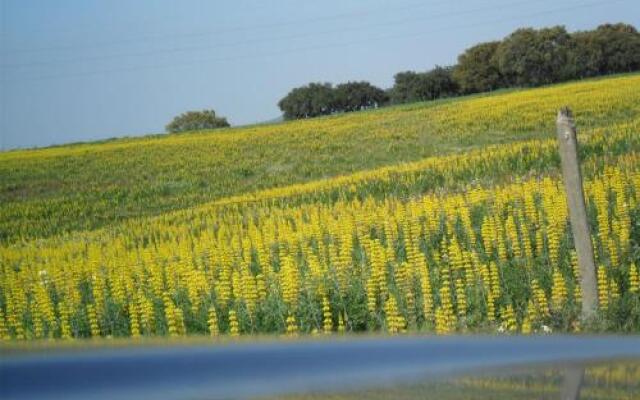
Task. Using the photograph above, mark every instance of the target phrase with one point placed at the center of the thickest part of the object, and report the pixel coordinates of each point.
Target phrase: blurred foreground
(399, 367)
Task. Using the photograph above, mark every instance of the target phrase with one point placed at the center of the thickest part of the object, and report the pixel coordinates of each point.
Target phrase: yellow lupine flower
(575, 268)
(395, 322)
(327, 318)
(234, 327)
(133, 319)
(427, 294)
(509, 319)
(4, 332)
(65, 323)
(540, 298)
(461, 299)
(603, 288)
(634, 282)
(212, 322)
(93, 321)
(558, 291)
(290, 281)
(292, 325)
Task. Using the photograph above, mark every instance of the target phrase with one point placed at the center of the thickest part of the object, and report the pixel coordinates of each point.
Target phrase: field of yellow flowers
(49, 191)
(471, 241)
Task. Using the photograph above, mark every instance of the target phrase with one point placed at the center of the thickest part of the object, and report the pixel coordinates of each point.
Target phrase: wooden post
(568, 144)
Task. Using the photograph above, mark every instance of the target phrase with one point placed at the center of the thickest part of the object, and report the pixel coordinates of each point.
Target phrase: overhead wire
(322, 46)
(253, 27)
(184, 49)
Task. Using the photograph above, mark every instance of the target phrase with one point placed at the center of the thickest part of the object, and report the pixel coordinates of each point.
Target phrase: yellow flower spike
(234, 326)
(509, 322)
(93, 321)
(614, 289)
(558, 291)
(514, 240)
(4, 332)
(442, 323)
(212, 322)
(603, 288)
(133, 320)
(634, 281)
(395, 322)
(327, 319)
(495, 280)
(292, 325)
(575, 268)
(170, 315)
(290, 281)
(447, 315)
(540, 298)
(613, 252)
(65, 321)
(461, 299)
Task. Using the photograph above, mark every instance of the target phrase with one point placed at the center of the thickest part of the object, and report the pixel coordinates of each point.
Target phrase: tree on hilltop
(308, 101)
(531, 57)
(196, 120)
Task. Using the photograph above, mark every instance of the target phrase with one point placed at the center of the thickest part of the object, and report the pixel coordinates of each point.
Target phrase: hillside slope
(476, 241)
(86, 186)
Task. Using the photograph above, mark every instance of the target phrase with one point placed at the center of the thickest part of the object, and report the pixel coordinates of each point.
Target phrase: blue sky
(78, 70)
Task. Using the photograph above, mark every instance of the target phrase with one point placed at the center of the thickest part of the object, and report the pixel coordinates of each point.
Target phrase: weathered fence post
(572, 176)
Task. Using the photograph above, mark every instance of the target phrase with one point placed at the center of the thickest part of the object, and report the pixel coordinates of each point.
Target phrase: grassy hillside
(86, 186)
(473, 241)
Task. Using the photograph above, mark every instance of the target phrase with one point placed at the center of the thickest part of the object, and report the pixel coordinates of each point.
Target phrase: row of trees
(527, 57)
(317, 99)
(421, 86)
(530, 57)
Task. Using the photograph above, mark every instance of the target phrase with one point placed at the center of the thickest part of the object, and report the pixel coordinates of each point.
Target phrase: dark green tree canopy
(412, 86)
(308, 101)
(355, 96)
(530, 57)
(439, 83)
(196, 120)
(317, 99)
(620, 46)
(586, 55)
(406, 87)
(527, 57)
(477, 69)
(611, 48)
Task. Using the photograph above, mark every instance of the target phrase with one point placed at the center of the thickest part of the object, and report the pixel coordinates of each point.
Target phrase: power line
(322, 47)
(259, 41)
(369, 11)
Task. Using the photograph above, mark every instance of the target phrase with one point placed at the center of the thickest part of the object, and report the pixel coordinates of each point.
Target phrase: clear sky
(78, 70)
